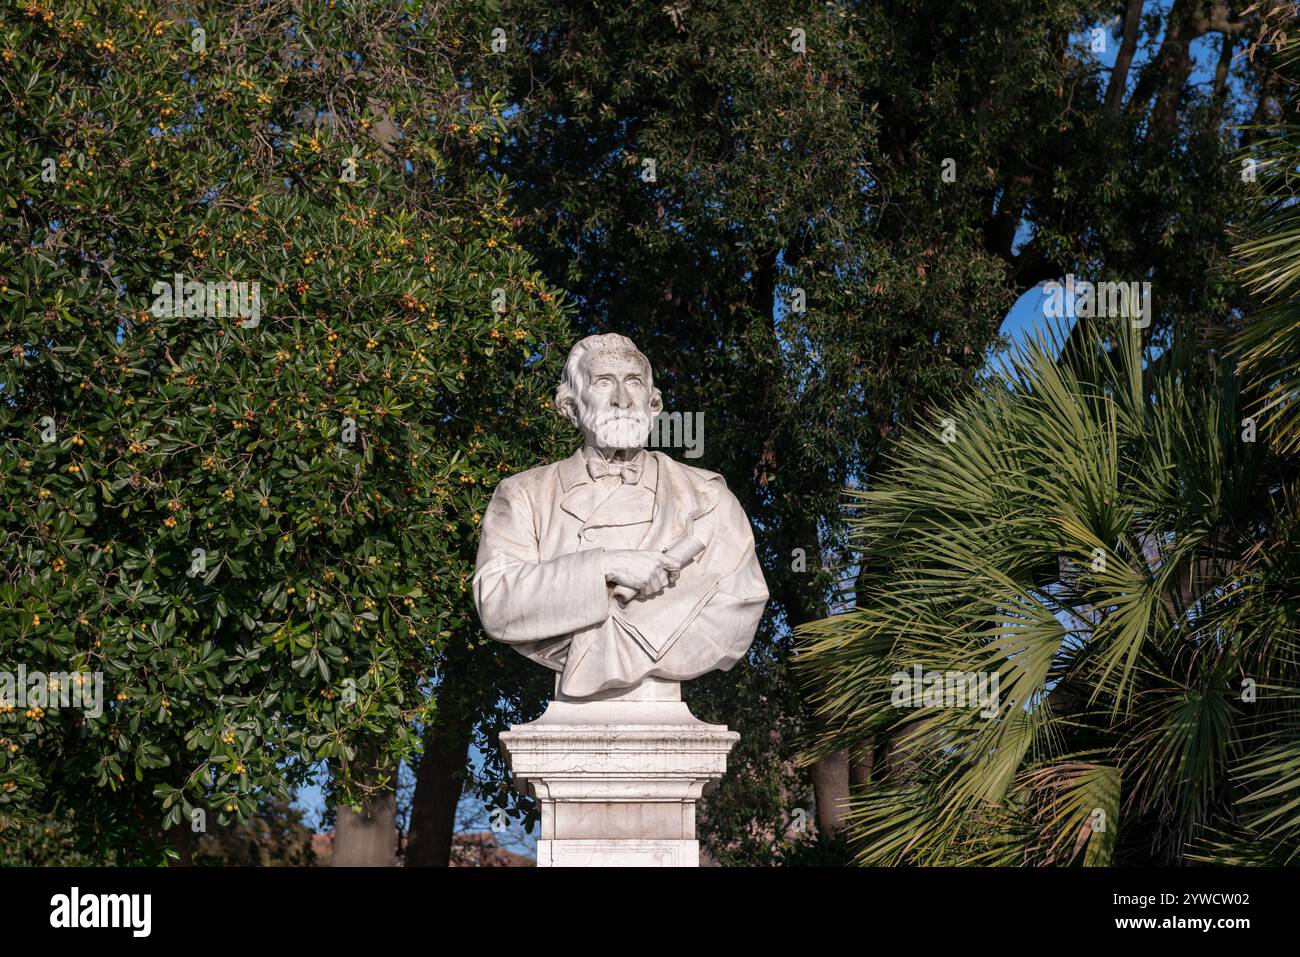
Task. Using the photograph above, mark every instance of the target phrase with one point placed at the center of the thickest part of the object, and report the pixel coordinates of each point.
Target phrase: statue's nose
(622, 397)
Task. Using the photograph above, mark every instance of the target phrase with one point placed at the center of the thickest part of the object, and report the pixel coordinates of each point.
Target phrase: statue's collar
(573, 470)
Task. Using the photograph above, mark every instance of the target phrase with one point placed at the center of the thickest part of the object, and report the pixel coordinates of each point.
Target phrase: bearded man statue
(618, 563)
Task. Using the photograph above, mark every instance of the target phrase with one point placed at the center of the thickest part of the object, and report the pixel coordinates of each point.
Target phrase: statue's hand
(646, 573)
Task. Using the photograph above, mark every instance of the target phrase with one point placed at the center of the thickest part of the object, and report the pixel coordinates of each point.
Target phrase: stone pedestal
(617, 776)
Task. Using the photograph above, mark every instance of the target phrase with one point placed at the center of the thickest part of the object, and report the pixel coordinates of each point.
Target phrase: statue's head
(608, 392)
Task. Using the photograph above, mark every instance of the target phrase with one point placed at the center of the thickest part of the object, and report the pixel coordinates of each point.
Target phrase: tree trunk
(367, 838)
(438, 785)
(1124, 58)
(861, 761)
(1221, 73)
(831, 790)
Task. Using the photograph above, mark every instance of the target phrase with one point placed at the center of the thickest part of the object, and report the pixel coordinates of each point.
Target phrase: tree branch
(1124, 58)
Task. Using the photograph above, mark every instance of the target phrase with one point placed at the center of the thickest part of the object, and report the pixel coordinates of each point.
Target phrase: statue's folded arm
(522, 598)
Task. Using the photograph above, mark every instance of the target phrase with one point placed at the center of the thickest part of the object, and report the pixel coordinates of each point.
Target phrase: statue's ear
(656, 402)
(568, 408)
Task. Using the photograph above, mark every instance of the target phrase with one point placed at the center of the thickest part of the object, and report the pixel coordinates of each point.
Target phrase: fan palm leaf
(1095, 537)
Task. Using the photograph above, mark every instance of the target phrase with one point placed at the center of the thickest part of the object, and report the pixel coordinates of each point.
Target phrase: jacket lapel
(578, 498)
(679, 501)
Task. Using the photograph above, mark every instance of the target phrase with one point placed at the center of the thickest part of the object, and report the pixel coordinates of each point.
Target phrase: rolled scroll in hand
(681, 552)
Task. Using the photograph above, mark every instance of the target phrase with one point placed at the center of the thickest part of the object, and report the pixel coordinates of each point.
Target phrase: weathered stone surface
(617, 780)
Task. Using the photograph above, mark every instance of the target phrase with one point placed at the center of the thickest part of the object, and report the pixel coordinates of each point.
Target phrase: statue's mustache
(612, 416)
(619, 426)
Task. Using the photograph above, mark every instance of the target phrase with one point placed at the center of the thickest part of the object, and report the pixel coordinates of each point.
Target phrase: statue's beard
(621, 429)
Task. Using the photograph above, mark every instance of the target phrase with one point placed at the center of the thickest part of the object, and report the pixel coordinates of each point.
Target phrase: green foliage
(819, 171)
(331, 461)
(273, 836)
(823, 171)
(1100, 535)
(763, 807)
(1269, 253)
(47, 841)
(822, 850)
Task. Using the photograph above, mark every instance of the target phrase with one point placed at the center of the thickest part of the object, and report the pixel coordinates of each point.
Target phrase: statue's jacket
(540, 584)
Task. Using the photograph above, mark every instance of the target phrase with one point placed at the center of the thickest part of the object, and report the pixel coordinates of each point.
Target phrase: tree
(1075, 634)
(251, 508)
(813, 217)
(1269, 251)
(274, 836)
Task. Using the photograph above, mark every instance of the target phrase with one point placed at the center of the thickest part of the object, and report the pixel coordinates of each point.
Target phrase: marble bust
(618, 563)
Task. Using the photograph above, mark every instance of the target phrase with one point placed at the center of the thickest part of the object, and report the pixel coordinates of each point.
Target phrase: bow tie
(598, 468)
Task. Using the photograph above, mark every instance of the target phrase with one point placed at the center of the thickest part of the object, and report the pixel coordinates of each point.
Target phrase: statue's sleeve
(725, 627)
(719, 635)
(708, 619)
(521, 597)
